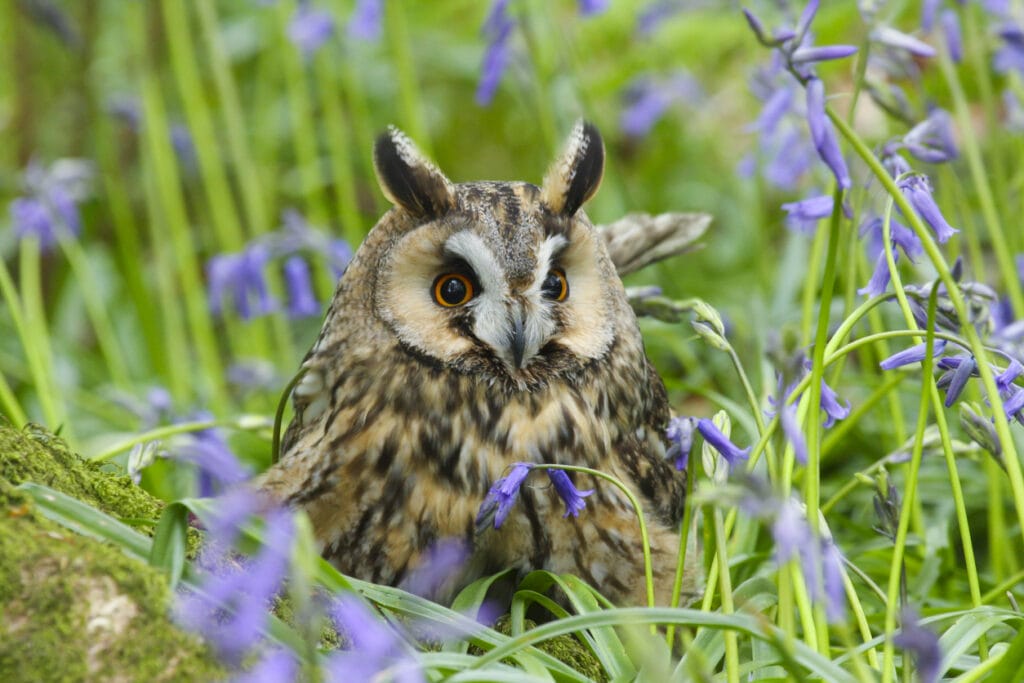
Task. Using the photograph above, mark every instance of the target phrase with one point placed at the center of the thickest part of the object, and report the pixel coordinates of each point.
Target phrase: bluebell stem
(922, 643)
(301, 298)
(680, 433)
(365, 22)
(914, 354)
(310, 28)
(591, 7)
(648, 99)
(918, 191)
(721, 443)
(567, 491)
(502, 495)
(376, 648)
(498, 30)
(803, 216)
(242, 276)
(951, 32)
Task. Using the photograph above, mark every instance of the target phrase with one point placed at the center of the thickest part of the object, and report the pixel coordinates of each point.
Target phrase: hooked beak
(517, 340)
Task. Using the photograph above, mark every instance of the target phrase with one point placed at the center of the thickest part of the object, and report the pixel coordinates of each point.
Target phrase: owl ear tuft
(408, 179)
(576, 174)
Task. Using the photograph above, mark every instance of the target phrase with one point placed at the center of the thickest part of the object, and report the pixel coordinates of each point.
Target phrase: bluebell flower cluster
(48, 211)
(680, 435)
(648, 98)
(497, 29)
(242, 277)
(310, 28)
(505, 491)
(714, 437)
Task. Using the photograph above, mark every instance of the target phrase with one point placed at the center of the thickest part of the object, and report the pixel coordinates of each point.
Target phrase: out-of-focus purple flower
(778, 104)
(231, 606)
(901, 236)
(591, 7)
(184, 148)
(503, 495)
(821, 53)
(823, 135)
(649, 98)
(914, 354)
(301, 298)
(680, 433)
(376, 647)
(339, 254)
(442, 561)
(834, 410)
(498, 30)
(1010, 57)
(253, 374)
(1013, 404)
(890, 37)
(567, 491)
(651, 16)
(242, 276)
(310, 28)
(1005, 378)
(832, 575)
(919, 192)
(366, 20)
(278, 666)
(49, 209)
(928, 10)
(803, 216)
(209, 452)
(922, 643)
(932, 140)
(951, 32)
(791, 428)
(721, 443)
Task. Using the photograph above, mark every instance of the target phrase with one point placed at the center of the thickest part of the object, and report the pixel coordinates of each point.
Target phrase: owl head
(504, 279)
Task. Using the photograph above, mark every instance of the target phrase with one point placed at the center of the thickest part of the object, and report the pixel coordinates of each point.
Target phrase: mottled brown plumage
(411, 409)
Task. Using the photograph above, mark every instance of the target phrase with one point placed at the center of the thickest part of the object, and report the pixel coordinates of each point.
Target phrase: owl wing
(639, 239)
(643, 453)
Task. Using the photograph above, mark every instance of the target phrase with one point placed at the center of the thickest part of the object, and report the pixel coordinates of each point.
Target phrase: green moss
(564, 648)
(73, 608)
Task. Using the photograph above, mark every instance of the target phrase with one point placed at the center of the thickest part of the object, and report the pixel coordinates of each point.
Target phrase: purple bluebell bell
(366, 20)
(932, 140)
(918, 191)
(649, 98)
(497, 29)
(901, 236)
(928, 10)
(821, 53)
(951, 32)
(819, 559)
(791, 428)
(914, 354)
(310, 28)
(922, 643)
(443, 560)
(890, 37)
(823, 135)
(217, 465)
(680, 434)
(277, 666)
(376, 647)
(242, 276)
(301, 298)
(1013, 403)
(1007, 377)
(232, 605)
(721, 443)
(503, 494)
(803, 216)
(589, 8)
(1010, 57)
(834, 410)
(651, 16)
(833, 590)
(49, 211)
(961, 368)
(567, 491)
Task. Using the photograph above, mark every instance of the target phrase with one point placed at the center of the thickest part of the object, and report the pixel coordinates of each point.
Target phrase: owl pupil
(453, 291)
(555, 285)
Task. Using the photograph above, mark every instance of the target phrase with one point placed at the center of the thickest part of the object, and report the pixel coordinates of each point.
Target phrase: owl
(482, 324)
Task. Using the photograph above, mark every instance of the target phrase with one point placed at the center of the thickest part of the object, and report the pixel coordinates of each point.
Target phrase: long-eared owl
(482, 324)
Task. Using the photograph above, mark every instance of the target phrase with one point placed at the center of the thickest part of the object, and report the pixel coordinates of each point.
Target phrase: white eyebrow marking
(547, 250)
(472, 249)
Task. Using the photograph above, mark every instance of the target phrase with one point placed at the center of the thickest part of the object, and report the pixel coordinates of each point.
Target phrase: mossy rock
(73, 608)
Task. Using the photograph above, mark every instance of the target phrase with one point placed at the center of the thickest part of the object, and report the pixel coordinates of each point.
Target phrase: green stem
(399, 43)
(732, 656)
(36, 338)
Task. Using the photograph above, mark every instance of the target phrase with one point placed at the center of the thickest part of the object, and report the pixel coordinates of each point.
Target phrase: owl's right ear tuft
(408, 179)
(576, 174)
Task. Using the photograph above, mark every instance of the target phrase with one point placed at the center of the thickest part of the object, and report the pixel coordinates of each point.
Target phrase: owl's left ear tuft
(576, 174)
(408, 179)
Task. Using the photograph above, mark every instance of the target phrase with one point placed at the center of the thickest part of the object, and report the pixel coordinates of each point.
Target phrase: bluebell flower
(498, 30)
(918, 192)
(951, 31)
(680, 433)
(1010, 57)
(441, 562)
(591, 7)
(376, 647)
(1007, 377)
(803, 216)
(1013, 404)
(928, 10)
(242, 276)
(49, 209)
(231, 607)
(914, 354)
(217, 465)
(821, 53)
(960, 369)
(923, 644)
(823, 135)
(890, 37)
(648, 99)
(791, 428)
(366, 20)
(503, 494)
(310, 28)
(651, 16)
(301, 298)
(253, 374)
(567, 491)
(721, 443)
(932, 140)
(834, 410)
(277, 666)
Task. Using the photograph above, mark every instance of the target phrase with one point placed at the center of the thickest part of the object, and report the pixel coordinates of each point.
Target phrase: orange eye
(452, 289)
(555, 285)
